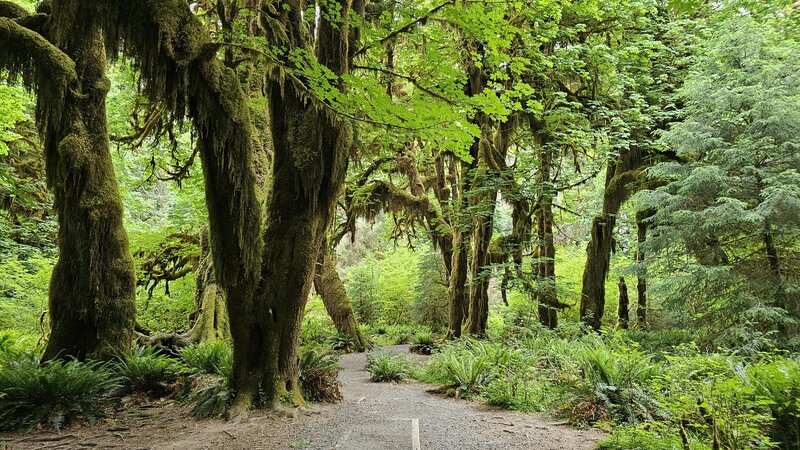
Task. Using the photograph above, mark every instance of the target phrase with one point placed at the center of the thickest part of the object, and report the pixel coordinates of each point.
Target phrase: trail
(378, 416)
(372, 416)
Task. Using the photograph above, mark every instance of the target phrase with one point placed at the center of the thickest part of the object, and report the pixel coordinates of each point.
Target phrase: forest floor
(372, 416)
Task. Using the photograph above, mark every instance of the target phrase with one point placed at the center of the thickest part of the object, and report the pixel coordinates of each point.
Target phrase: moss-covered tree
(330, 287)
(60, 53)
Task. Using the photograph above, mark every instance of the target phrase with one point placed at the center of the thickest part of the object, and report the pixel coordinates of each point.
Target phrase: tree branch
(40, 64)
(402, 29)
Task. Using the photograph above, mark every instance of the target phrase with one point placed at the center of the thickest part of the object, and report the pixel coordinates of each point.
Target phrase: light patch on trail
(415, 444)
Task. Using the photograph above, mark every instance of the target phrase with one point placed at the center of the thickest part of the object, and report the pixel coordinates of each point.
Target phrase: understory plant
(386, 366)
(147, 371)
(422, 343)
(53, 394)
(318, 371)
(214, 357)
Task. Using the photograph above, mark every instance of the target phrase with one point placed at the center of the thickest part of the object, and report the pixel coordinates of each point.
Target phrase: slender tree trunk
(483, 227)
(622, 310)
(776, 273)
(546, 250)
(641, 280)
(330, 287)
(92, 289)
(457, 294)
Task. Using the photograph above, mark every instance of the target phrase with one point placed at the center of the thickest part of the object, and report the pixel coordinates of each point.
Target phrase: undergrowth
(386, 366)
(53, 394)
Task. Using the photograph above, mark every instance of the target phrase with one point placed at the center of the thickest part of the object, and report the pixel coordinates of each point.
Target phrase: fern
(53, 394)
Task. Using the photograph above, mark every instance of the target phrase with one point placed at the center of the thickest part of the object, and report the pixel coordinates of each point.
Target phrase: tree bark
(457, 293)
(211, 321)
(622, 310)
(546, 250)
(483, 227)
(620, 176)
(92, 289)
(309, 163)
(330, 287)
(641, 280)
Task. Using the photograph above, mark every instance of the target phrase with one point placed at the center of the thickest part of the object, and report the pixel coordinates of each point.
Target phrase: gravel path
(381, 416)
(373, 416)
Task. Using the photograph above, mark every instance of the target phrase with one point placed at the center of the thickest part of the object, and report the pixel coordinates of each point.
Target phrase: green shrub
(52, 394)
(651, 437)
(215, 357)
(211, 395)
(702, 395)
(385, 366)
(778, 382)
(318, 372)
(467, 373)
(422, 343)
(147, 371)
(317, 325)
(402, 335)
(617, 377)
(14, 342)
(341, 342)
(467, 365)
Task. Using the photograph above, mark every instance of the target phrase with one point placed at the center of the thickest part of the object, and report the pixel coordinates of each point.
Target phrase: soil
(372, 416)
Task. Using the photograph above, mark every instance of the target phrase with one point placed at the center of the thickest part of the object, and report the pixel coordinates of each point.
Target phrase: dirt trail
(373, 416)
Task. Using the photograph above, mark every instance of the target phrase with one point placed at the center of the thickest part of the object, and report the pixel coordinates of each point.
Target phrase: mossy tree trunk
(309, 162)
(641, 279)
(92, 289)
(330, 287)
(457, 291)
(621, 174)
(546, 294)
(622, 310)
(211, 320)
(264, 262)
(480, 272)
(492, 149)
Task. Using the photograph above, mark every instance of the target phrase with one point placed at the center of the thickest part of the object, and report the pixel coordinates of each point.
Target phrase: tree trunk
(308, 167)
(482, 227)
(211, 321)
(622, 310)
(620, 175)
(330, 287)
(775, 271)
(546, 250)
(641, 280)
(92, 289)
(457, 294)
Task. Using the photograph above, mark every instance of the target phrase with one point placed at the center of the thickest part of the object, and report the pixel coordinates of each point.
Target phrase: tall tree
(730, 203)
(61, 54)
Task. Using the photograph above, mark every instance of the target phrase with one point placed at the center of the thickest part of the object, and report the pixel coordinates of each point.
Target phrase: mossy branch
(41, 66)
(27, 53)
(12, 10)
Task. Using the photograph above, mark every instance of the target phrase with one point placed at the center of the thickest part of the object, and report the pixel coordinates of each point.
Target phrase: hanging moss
(40, 65)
